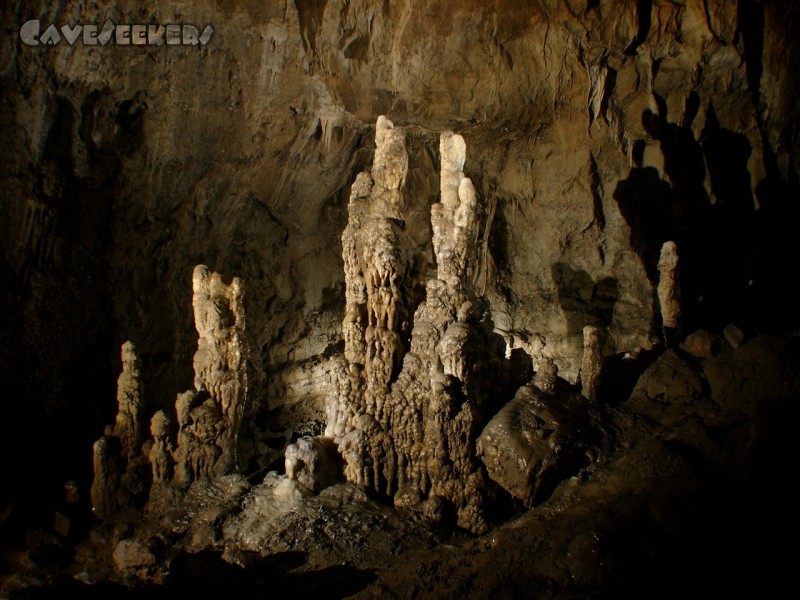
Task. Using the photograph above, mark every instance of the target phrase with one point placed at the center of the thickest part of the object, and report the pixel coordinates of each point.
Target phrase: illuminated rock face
(405, 415)
(669, 292)
(210, 417)
(592, 362)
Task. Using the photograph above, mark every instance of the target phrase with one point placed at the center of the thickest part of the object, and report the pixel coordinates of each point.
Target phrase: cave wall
(596, 131)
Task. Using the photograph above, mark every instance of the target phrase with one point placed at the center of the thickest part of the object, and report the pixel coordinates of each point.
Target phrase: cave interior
(400, 299)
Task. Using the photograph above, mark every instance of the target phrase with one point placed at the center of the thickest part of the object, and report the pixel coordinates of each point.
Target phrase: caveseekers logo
(122, 35)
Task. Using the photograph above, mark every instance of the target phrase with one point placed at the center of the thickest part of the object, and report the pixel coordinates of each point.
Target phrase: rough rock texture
(162, 451)
(733, 335)
(106, 489)
(130, 403)
(702, 344)
(210, 418)
(405, 415)
(591, 362)
(546, 376)
(670, 388)
(597, 131)
(537, 440)
(669, 292)
(120, 469)
(313, 463)
(680, 500)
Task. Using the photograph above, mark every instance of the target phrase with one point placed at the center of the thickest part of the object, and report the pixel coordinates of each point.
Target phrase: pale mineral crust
(120, 469)
(669, 293)
(405, 414)
(130, 402)
(592, 362)
(210, 417)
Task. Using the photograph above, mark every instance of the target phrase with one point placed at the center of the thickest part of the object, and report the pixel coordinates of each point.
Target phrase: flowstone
(405, 416)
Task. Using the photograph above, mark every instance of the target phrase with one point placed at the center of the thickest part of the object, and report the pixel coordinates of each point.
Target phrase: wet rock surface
(538, 440)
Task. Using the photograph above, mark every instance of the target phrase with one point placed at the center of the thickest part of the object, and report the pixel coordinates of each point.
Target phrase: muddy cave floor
(693, 499)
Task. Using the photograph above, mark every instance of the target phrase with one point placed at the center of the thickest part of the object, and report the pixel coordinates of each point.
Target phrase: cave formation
(400, 299)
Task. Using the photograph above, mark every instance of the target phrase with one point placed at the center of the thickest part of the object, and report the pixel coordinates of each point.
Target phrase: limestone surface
(669, 291)
(120, 469)
(537, 440)
(405, 414)
(210, 416)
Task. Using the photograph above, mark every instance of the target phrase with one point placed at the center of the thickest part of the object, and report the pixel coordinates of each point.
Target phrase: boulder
(537, 441)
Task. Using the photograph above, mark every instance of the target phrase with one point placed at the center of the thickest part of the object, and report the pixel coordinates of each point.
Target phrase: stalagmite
(130, 415)
(377, 259)
(592, 362)
(312, 463)
(210, 417)
(161, 458)
(546, 375)
(120, 469)
(669, 292)
(405, 417)
(105, 489)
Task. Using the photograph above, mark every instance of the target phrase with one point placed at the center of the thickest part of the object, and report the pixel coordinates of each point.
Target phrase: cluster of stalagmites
(208, 417)
(411, 397)
(416, 408)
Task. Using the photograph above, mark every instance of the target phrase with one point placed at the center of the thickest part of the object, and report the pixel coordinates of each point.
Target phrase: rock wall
(597, 132)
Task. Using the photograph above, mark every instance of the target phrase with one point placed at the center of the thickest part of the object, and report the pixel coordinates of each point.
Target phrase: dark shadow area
(730, 254)
(726, 545)
(774, 296)
(520, 369)
(726, 248)
(644, 200)
(750, 26)
(644, 11)
(621, 373)
(205, 575)
(499, 237)
(584, 301)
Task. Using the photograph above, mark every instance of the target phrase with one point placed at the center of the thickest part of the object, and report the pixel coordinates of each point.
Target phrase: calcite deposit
(220, 363)
(591, 362)
(120, 470)
(615, 209)
(130, 403)
(669, 291)
(404, 414)
(209, 417)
